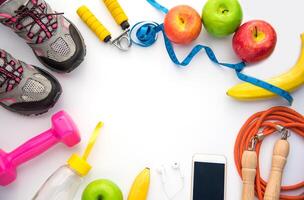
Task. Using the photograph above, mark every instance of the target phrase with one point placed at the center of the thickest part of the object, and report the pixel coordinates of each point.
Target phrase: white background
(154, 112)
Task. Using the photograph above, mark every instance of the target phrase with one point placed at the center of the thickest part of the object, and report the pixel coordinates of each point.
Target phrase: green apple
(102, 189)
(222, 17)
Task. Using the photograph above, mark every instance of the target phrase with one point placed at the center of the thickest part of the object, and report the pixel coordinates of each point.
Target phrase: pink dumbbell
(63, 130)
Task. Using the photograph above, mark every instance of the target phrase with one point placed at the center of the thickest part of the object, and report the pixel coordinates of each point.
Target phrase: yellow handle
(94, 24)
(92, 141)
(117, 13)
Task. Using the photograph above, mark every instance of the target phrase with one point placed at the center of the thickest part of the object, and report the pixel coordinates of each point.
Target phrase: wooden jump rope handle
(280, 153)
(249, 165)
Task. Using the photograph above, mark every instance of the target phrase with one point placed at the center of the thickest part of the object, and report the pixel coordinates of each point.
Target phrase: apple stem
(225, 11)
(256, 31)
(182, 20)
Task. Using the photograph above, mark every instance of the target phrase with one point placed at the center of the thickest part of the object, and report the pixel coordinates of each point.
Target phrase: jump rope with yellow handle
(123, 41)
(247, 148)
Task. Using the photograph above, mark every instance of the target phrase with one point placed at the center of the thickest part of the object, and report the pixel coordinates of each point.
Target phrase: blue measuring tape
(146, 35)
(158, 6)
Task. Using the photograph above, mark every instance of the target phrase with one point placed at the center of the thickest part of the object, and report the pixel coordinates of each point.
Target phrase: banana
(288, 81)
(140, 187)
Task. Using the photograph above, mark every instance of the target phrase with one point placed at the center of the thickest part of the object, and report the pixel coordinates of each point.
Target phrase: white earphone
(176, 166)
(162, 172)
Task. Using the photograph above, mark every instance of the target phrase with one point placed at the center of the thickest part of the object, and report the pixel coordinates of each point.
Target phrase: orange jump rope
(247, 149)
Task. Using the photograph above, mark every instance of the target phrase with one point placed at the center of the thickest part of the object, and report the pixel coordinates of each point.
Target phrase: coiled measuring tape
(101, 31)
(145, 34)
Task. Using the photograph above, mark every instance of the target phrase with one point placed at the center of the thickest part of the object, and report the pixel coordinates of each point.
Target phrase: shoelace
(38, 12)
(10, 72)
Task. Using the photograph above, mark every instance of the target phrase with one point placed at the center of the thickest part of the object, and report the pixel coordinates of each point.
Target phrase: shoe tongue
(10, 6)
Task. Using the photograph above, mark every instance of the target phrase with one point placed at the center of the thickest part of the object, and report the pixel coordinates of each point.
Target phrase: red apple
(182, 24)
(254, 41)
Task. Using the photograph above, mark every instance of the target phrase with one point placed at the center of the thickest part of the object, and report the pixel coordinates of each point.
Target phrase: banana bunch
(140, 187)
(288, 81)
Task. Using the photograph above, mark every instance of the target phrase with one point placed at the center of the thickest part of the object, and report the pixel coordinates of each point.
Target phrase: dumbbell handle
(249, 165)
(33, 148)
(280, 153)
(63, 130)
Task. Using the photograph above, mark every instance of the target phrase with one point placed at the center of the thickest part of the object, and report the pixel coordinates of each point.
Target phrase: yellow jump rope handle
(94, 24)
(280, 153)
(117, 13)
(249, 165)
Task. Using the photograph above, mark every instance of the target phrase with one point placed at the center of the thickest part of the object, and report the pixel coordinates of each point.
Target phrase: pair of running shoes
(56, 42)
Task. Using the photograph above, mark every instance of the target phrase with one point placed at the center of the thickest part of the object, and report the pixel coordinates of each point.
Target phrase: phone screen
(208, 181)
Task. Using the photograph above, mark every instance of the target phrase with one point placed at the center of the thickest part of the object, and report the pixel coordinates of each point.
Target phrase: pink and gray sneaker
(55, 40)
(26, 89)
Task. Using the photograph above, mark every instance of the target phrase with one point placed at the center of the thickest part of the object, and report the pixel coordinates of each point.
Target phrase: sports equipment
(123, 41)
(26, 89)
(140, 187)
(65, 181)
(63, 130)
(55, 40)
(288, 81)
(247, 149)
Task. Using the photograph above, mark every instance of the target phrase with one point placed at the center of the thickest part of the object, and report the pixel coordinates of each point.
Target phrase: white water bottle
(65, 181)
(61, 185)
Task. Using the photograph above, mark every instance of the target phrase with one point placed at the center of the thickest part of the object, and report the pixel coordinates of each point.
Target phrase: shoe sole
(29, 113)
(42, 111)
